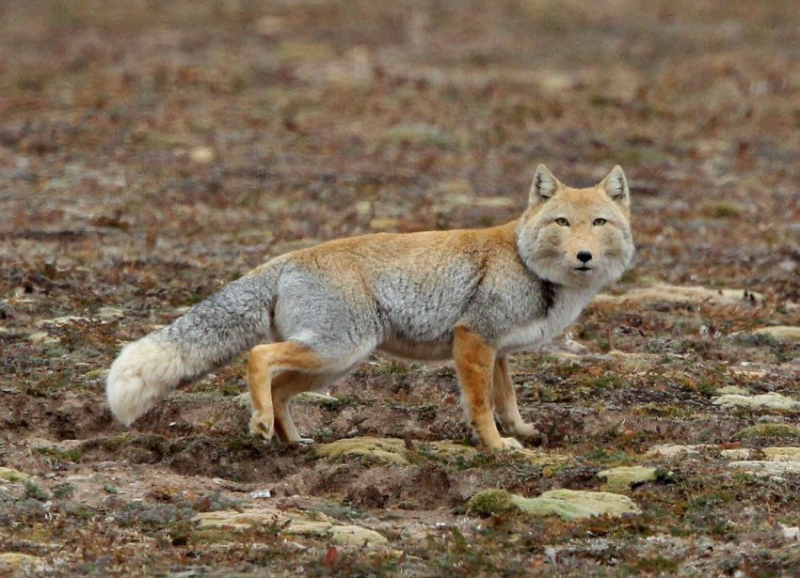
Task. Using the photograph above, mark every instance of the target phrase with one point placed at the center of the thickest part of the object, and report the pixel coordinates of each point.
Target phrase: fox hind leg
(284, 387)
(266, 360)
(505, 402)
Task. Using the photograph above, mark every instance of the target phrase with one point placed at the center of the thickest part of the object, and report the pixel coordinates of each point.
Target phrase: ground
(152, 151)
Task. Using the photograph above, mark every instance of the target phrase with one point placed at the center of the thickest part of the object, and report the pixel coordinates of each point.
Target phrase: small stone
(732, 390)
(383, 223)
(355, 536)
(22, 563)
(60, 321)
(201, 155)
(774, 470)
(314, 397)
(737, 454)
(12, 475)
(293, 524)
(110, 313)
(672, 450)
(782, 454)
(790, 532)
(782, 333)
(766, 400)
(42, 338)
(623, 477)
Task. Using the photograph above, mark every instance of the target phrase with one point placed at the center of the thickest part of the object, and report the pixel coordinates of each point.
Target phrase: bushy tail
(207, 336)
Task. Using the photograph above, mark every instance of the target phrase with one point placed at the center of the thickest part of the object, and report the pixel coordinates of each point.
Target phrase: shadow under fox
(475, 296)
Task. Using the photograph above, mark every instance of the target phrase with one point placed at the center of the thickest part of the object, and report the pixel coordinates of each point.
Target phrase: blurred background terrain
(152, 151)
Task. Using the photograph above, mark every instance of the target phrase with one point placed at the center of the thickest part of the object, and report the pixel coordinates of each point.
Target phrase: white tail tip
(140, 376)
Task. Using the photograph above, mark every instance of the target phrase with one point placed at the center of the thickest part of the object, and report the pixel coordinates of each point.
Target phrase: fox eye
(562, 222)
(599, 222)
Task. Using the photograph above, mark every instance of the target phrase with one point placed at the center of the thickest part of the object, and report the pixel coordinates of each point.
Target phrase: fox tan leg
(284, 386)
(505, 401)
(264, 360)
(474, 360)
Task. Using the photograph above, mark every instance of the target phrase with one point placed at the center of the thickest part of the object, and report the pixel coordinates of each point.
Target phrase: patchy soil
(152, 151)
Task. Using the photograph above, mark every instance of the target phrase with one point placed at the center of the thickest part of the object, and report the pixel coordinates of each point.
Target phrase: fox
(475, 296)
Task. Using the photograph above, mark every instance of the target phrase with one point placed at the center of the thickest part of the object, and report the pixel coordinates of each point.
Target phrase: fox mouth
(583, 268)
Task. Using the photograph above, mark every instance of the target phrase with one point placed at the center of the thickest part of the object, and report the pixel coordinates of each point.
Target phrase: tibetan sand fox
(475, 296)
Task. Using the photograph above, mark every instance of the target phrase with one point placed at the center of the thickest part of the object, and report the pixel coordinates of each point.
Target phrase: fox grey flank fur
(516, 286)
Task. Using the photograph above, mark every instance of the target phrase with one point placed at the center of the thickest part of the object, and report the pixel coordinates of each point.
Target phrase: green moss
(490, 503)
(769, 431)
(36, 492)
(721, 210)
(65, 490)
(71, 455)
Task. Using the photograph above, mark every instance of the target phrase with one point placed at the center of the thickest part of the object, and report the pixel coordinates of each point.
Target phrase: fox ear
(544, 186)
(616, 185)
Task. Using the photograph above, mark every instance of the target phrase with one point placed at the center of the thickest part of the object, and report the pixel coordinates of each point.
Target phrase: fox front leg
(474, 360)
(505, 402)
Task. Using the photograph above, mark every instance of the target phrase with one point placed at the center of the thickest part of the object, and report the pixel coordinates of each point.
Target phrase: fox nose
(584, 256)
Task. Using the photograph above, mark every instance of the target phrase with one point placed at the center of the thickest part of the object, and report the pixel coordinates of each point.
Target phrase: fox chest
(532, 333)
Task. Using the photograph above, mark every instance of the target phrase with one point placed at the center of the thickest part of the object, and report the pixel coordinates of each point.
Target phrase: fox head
(577, 237)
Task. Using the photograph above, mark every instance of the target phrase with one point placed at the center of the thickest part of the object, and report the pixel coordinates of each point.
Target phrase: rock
(623, 477)
(350, 535)
(775, 470)
(737, 454)
(110, 313)
(383, 450)
(782, 454)
(242, 400)
(22, 563)
(673, 450)
(783, 333)
(60, 321)
(663, 293)
(395, 451)
(769, 430)
(293, 524)
(575, 505)
(383, 223)
(42, 338)
(766, 400)
(449, 449)
(536, 457)
(567, 504)
(790, 532)
(314, 397)
(732, 390)
(12, 475)
(201, 155)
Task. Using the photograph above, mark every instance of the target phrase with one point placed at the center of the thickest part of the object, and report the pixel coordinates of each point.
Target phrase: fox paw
(504, 444)
(526, 430)
(262, 426)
